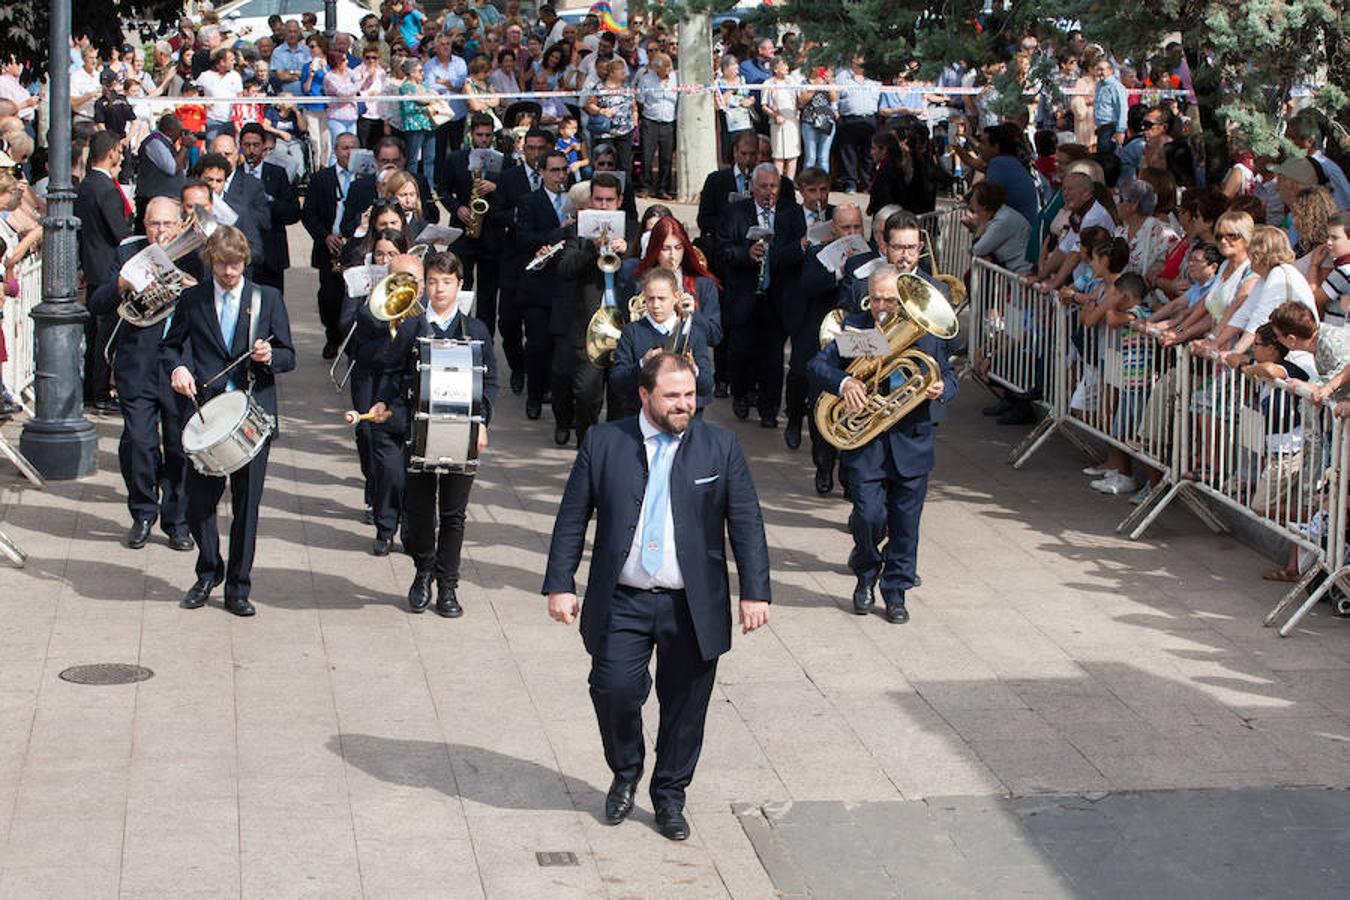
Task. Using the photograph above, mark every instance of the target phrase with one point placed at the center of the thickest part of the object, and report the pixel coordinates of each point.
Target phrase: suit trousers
(482, 276)
(204, 493)
(265, 274)
(658, 154)
(588, 392)
(886, 505)
(510, 320)
(427, 496)
(388, 471)
(561, 373)
(755, 356)
(538, 353)
(362, 386)
(854, 140)
(155, 480)
(619, 682)
(332, 291)
(97, 332)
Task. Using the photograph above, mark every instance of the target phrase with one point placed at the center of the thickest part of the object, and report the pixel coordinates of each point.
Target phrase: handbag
(439, 111)
(738, 118)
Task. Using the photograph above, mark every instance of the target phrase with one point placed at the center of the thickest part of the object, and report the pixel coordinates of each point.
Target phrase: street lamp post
(59, 440)
(330, 18)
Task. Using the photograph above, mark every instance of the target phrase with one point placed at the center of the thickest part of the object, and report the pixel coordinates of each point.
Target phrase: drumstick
(243, 356)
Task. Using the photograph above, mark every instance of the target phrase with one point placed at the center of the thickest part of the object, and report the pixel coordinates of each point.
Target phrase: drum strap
(251, 327)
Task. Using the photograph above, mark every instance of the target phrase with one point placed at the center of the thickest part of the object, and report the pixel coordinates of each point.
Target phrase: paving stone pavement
(336, 746)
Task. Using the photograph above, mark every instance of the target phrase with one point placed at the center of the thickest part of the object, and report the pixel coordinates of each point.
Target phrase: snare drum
(448, 408)
(231, 430)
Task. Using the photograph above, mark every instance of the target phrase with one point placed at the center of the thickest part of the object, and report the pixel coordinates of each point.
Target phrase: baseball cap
(1300, 169)
(108, 77)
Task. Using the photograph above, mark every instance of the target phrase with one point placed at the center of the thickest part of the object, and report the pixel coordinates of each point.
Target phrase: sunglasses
(1227, 236)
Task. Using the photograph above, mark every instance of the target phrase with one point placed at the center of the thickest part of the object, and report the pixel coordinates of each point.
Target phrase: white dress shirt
(442, 322)
(669, 576)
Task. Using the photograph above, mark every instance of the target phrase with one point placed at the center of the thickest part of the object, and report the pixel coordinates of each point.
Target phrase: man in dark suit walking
(518, 182)
(391, 155)
(243, 195)
(215, 323)
(888, 476)
(649, 478)
(480, 256)
(281, 200)
(155, 480)
(105, 221)
(322, 217)
(543, 297)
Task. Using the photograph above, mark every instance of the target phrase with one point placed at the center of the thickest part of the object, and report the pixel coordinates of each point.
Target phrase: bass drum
(231, 429)
(448, 408)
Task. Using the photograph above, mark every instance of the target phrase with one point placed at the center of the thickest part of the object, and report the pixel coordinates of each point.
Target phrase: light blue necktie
(740, 183)
(609, 299)
(229, 317)
(558, 206)
(655, 503)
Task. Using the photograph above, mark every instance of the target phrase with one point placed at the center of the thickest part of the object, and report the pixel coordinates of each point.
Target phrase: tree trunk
(696, 128)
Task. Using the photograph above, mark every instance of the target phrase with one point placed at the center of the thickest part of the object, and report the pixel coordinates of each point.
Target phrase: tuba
(478, 207)
(955, 285)
(602, 335)
(156, 302)
(923, 310)
(394, 299)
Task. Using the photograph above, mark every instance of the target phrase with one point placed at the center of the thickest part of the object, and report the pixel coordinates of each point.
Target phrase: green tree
(24, 24)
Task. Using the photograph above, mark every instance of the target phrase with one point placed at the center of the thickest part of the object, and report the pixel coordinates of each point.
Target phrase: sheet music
(464, 302)
(834, 255)
(439, 235)
(361, 279)
(485, 160)
(591, 222)
(361, 162)
(149, 266)
(820, 233)
(223, 213)
(865, 271)
(759, 233)
(870, 343)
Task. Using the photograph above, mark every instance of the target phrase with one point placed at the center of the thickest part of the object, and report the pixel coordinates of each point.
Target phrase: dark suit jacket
(910, 441)
(398, 383)
(285, 210)
(194, 340)
(103, 224)
(247, 197)
(816, 293)
(711, 497)
(740, 272)
(514, 187)
(537, 224)
(361, 196)
(634, 342)
(577, 264)
(319, 212)
(454, 183)
(706, 295)
(136, 365)
(718, 187)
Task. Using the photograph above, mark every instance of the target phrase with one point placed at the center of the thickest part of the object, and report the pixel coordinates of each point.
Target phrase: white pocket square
(709, 480)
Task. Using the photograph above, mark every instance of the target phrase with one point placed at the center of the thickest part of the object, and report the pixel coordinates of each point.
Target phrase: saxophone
(899, 380)
(478, 207)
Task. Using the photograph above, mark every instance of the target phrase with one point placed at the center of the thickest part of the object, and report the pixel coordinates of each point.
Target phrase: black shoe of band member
(1020, 413)
(896, 613)
(619, 800)
(533, 409)
(419, 595)
(369, 516)
(824, 479)
(864, 595)
(181, 541)
(672, 824)
(447, 604)
(239, 606)
(741, 407)
(792, 434)
(768, 421)
(196, 596)
(517, 382)
(139, 533)
(562, 436)
(722, 390)
(380, 547)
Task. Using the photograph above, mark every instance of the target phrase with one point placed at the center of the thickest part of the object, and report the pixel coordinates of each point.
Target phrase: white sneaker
(1099, 469)
(1115, 483)
(1141, 495)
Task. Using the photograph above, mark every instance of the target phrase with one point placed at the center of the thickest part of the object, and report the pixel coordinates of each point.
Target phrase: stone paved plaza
(337, 746)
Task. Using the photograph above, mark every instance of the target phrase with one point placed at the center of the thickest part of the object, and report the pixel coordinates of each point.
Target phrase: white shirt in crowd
(1096, 215)
(213, 84)
(669, 575)
(82, 82)
(1284, 283)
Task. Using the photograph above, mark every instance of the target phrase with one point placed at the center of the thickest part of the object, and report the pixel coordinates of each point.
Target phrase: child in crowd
(1124, 308)
(577, 162)
(1046, 163)
(1202, 268)
(1335, 288)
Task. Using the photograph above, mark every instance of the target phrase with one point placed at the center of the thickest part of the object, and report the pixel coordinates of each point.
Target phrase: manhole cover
(556, 858)
(106, 673)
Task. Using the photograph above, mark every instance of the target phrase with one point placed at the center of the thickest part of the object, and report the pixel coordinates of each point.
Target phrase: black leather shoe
(722, 390)
(447, 604)
(368, 516)
(768, 421)
(619, 800)
(380, 547)
(896, 613)
(196, 596)
(517, 382)
(533, 409)
(139, 534)
(918, 581)
(239, 606)
(672, 824)
(107, 407)
(864, 595)
(792, 434)
(824, 479)
(330, 350)
(181, 541)
(419, 595)
(741, 407)
(562, 436)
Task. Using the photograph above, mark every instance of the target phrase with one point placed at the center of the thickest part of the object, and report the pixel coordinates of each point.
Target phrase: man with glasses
(1146, 124)
(391, 155)
(288, 60)
(520, 178)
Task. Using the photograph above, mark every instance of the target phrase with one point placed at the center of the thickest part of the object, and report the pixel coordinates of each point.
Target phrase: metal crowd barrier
(1211, 434)
(21, 369)
(951, 241)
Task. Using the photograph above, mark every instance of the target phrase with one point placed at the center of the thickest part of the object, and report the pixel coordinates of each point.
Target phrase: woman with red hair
(668, 247)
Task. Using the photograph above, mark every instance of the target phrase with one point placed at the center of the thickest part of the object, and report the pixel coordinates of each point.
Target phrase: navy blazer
(247, 197)
(715, 197)
(285, 210)
(537, 225)
(361, 196)
(634, 342)
(104, 224)
(135, 364)
(194, 340)
(706, 296)
(816, 293)
(455, 185)
(712, 497)
(319, 213)
(910, 441)
(397, 385)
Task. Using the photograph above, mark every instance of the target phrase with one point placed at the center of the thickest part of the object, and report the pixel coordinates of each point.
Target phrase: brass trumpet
(608, 260)
(923, 310)
(394, 299)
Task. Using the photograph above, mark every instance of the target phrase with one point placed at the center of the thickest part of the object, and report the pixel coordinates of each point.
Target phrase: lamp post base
(61, 450)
